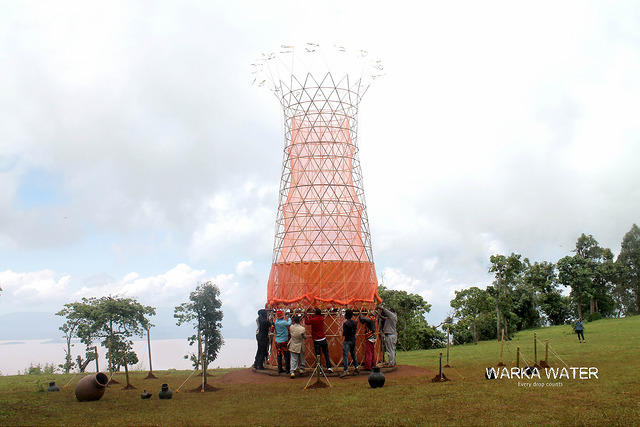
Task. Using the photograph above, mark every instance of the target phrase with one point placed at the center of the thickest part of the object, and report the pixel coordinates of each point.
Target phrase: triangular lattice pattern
(322, 252)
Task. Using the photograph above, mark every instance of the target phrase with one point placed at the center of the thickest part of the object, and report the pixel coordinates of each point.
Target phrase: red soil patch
(318, 384)
(439, 379)
(248, 376)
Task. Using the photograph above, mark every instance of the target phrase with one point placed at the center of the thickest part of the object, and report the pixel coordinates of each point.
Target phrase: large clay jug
(91, 387)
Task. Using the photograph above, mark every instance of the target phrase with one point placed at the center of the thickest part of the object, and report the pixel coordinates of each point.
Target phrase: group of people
(290, 334)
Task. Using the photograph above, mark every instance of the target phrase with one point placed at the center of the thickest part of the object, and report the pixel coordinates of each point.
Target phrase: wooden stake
(501, 349)
(149, 345)
(546, 351)
(535, 349)
(448, 339)
(204, 374)
(150, 375)
(441, 366)
(97, 367)
(517, 357)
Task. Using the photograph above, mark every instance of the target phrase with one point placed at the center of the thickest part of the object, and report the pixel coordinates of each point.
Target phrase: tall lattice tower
(322, 253)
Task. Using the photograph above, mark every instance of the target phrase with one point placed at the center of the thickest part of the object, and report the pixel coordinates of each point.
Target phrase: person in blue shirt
(580, 330)
(282, 341)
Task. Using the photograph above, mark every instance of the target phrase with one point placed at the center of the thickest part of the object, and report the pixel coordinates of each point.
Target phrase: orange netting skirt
(323, 284)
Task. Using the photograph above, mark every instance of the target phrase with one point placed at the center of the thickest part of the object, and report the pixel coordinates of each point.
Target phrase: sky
(137, 158)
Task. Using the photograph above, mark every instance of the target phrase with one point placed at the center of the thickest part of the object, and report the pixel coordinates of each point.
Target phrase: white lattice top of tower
(341, 75)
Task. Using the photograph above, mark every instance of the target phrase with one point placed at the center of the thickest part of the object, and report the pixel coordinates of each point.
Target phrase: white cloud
(40, 286)
(161, 289)
(239, 219)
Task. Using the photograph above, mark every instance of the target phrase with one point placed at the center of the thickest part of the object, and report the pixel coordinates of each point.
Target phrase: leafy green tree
(628, 261)
(204, 312)
(421, 335)
(603, 273)
(575, 272)
(69, 329)
(541, 276)
(469, 304)
(525, 307)
(507, 272)
(410, 309)
(113, 321)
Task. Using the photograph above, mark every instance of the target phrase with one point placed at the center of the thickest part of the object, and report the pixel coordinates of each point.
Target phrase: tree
(204, 312)
(410, 309)
(575, 272)
(541, 276)
(507, 271)
(471, 303)
(69, 328)
(600, 261)
(113, 320)
(629, 266)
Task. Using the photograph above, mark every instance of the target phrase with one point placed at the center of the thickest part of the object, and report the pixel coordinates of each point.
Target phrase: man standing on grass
(296, 346)
(390, 333)
(370, 340)
(263, 325)
(319, 338)
(349, 346)
(282, 340)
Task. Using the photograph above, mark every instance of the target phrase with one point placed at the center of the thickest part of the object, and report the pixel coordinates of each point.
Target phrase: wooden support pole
(502, 345)
(202, 356)
(535, 349)
(97, 366)
(546, 351)
(517, 357)
(150, 375)
(441, 366)
(149, 345)
(448, 340)
(109, 361)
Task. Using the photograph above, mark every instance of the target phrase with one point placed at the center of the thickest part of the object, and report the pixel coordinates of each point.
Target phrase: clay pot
(53, 386)
(91, 387)
(145, 395)
(376, 378)
(166, 392)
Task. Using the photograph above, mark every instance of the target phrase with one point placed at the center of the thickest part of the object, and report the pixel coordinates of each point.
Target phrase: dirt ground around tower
(248, 376)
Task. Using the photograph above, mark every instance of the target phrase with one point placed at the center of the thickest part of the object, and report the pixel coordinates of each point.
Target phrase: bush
(47, 369)
(593, 317)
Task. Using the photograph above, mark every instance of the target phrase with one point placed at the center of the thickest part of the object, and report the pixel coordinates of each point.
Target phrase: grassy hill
(467, 399)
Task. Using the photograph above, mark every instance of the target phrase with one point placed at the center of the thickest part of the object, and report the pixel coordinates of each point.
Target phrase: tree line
(526, 295)
(112, 322)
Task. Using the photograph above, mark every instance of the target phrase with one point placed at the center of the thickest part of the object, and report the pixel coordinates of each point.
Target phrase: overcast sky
(137, 159)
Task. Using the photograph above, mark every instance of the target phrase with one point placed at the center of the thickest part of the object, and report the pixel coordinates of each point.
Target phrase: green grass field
(468, 399)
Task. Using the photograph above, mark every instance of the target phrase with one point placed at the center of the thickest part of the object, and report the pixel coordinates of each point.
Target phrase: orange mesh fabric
(321, 257)
(322, 283)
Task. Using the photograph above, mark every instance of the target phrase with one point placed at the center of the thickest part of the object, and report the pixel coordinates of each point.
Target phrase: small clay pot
(376, 378)
(53, 386)
(91, 387)
(145, 395)
(166, 392)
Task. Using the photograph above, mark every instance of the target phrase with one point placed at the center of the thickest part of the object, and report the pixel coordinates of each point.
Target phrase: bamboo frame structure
(322, 255)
